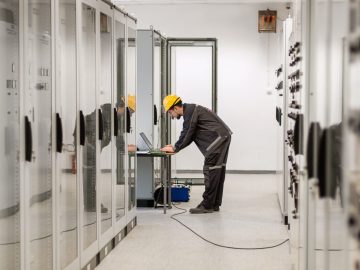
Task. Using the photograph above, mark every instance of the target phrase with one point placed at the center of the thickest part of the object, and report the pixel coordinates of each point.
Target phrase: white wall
(246, 65)
(195, 87)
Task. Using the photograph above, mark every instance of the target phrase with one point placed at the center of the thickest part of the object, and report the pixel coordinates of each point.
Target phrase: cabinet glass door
(66, 101)
(88, 109)
(335, 225)
(119, 95)
(326, 108)
(9, 136)
(131, 108)
(105, 118)
(38, 110)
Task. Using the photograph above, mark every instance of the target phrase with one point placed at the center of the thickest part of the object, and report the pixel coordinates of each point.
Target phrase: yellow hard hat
(131, 102)
(170, 101)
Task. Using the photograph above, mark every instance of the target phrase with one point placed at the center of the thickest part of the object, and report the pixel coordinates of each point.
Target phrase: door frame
(195, 42)
(191, 42)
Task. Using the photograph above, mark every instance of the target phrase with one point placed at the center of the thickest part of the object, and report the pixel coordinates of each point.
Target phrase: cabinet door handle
(28, 140)
(101, 125)
(116, 123)
(59, 134)
(312, 151)
(298, 134)
(82, 129)
(327, 168)
(155, 115)
(128, 120)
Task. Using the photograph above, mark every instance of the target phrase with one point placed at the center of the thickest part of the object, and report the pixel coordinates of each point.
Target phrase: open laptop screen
(146, 140)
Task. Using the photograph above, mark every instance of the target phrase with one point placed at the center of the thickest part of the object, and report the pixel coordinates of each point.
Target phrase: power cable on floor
(215, 244)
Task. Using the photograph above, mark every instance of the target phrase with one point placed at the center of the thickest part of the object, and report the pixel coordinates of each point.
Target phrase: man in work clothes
(212, 136)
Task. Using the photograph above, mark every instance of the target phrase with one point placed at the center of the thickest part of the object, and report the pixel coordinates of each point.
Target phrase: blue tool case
(180, 193)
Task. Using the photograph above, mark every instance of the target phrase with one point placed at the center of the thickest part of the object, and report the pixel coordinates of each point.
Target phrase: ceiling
(144, 2)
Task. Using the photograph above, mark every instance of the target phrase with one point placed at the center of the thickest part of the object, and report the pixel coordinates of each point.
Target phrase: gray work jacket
(203, 127)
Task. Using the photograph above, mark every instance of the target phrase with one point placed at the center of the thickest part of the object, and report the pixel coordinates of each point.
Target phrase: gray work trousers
(214, 176)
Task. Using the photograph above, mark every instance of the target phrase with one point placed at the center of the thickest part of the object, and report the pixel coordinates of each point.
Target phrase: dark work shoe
(216, 208)
(200, 204)
(200, 210)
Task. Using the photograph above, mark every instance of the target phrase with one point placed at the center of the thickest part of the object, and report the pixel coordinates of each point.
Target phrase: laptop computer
(149, 145)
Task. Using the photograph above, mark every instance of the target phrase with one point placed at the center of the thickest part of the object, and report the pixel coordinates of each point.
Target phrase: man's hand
(131, 148)
(168, 149)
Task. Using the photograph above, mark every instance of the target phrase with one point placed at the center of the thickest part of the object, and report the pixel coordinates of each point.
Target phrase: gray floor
(249, 217)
